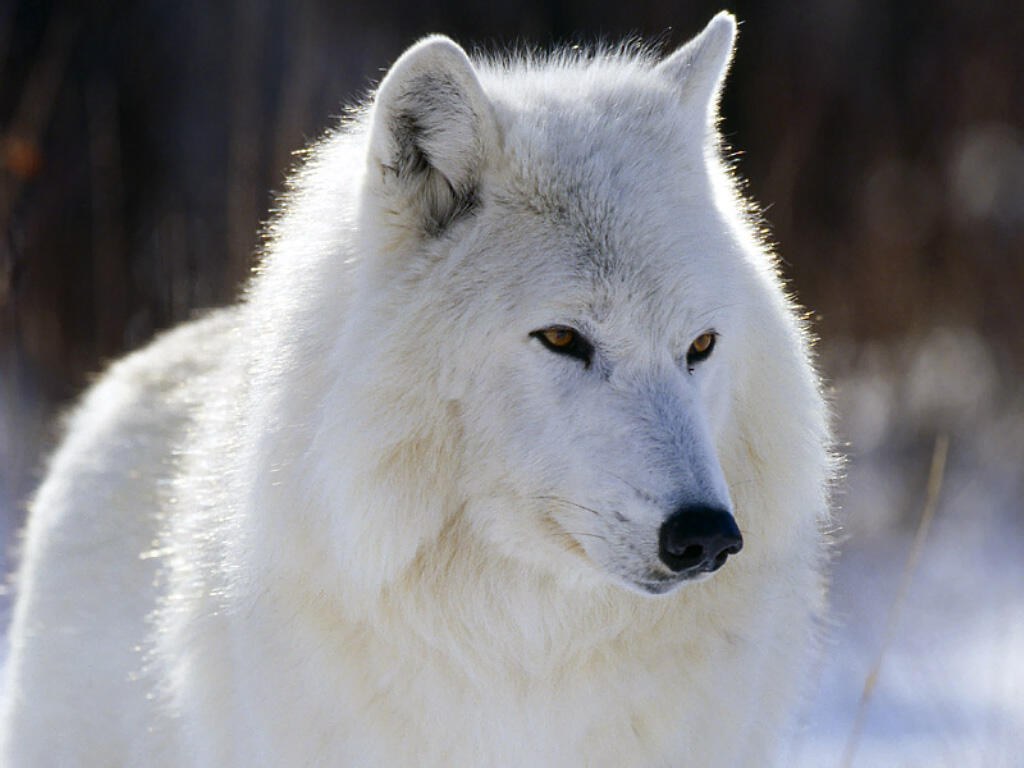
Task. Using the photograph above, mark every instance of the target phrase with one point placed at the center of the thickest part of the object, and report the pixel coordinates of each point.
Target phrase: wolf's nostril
(694, 552)
(698, 538)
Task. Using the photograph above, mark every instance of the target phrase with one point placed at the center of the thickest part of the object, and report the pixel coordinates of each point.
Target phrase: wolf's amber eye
(703, 343)
(565, 341)
(559, 337)
(700, 349)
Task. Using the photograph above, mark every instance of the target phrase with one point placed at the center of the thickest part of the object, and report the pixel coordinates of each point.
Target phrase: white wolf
(449, 486)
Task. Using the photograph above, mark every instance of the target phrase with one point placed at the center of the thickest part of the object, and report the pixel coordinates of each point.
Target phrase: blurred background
(141, 144)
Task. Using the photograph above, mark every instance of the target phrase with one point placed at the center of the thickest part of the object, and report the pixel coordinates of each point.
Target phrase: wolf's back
(90, 574)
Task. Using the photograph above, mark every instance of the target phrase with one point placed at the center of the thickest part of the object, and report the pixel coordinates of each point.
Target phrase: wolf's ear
(432, 126)
(700, 66)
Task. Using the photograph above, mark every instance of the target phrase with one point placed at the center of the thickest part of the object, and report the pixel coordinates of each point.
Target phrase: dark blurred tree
(140, 143)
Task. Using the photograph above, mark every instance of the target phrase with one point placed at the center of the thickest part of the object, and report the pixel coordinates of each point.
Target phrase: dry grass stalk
(935, 477)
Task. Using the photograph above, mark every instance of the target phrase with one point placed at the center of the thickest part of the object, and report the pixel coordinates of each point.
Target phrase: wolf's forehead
(597, 166)
(601, 133)
(606, 158)
(606, 236)
(592, 268)
(582, 107)
(610, 213)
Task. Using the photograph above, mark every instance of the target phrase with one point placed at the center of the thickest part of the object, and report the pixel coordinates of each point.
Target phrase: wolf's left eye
(566, 341)
(700, 349)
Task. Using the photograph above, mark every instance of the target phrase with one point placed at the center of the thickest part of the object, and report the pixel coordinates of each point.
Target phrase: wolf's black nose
(698, 538)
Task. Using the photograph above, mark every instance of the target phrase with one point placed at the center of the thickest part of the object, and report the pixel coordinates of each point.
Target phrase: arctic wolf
(512, 455)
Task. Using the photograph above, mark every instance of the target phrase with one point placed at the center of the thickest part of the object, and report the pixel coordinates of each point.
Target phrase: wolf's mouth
(657, 584)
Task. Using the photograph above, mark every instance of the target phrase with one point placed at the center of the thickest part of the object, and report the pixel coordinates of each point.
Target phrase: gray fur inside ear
(432, 127)
(700, 66)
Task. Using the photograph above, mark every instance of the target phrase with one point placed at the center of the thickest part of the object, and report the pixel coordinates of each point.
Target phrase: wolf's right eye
(566, 341)
(700, 349)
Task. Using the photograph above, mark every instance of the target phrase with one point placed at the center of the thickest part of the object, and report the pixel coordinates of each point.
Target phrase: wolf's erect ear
(700, 66)
(431, 129)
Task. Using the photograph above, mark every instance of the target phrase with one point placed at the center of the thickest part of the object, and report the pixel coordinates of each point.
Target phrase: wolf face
(586, 263)
(612, 421)
(594, 409)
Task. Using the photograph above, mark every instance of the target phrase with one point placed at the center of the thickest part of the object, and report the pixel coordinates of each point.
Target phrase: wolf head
(558, 316)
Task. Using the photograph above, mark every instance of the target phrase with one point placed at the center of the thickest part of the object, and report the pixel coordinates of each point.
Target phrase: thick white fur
(365, 519)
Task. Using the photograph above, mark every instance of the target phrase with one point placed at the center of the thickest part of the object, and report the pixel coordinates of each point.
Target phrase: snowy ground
(951, 685)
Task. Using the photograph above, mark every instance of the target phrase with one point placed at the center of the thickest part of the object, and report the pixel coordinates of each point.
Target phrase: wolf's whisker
(560, 500)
